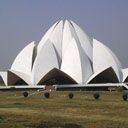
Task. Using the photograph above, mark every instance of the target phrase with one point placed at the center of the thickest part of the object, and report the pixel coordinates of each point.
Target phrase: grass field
(35, 111)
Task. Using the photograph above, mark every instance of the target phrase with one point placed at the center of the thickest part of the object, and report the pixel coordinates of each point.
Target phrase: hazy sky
(23, 21)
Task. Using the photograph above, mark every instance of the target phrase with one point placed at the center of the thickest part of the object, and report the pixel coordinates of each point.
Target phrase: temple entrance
(13, 79)
(107, 76)
(56, 76)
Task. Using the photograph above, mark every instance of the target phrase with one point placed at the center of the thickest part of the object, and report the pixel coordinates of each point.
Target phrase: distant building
(65, 55)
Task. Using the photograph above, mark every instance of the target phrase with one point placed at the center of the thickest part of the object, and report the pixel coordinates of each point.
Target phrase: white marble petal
(68, 34)
(46, 37)
(56, 39)
(75, 63)
(102, 57)
(44, 62)
(23, 61)
(84, 39)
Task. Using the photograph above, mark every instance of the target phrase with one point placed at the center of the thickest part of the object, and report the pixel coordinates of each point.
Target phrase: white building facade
(65, 55)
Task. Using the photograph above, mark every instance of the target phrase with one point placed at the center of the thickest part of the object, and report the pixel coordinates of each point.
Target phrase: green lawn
(35, 111)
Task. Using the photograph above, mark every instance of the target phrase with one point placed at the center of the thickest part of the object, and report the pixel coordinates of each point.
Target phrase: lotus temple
(67, 57)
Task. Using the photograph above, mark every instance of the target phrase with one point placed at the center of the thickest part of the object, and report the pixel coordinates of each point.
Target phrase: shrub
(70, 95)
(47, 94)
(96, 95)
(25, 94)
(125, 96)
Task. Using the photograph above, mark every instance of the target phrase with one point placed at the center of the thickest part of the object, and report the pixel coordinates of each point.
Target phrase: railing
(125, 85)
